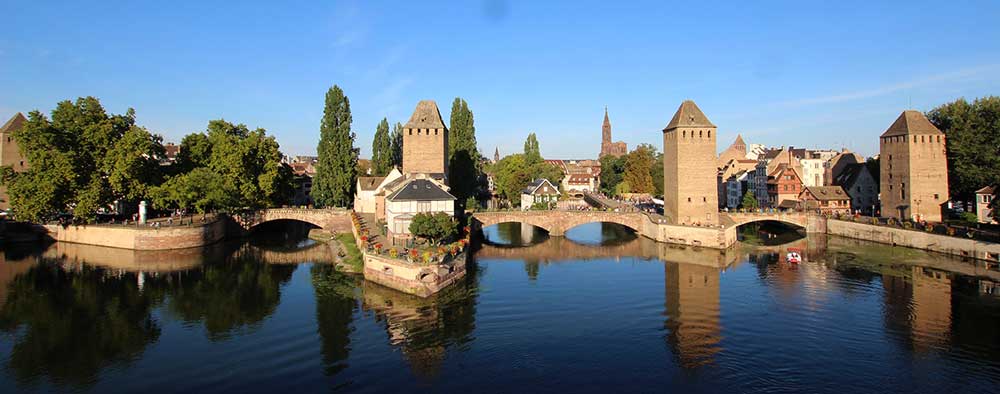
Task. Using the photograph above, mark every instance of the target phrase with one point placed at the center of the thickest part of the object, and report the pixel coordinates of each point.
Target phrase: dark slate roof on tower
(421, 190)
(688, 115)
(426, 116)
(14, 123)
(911, 122)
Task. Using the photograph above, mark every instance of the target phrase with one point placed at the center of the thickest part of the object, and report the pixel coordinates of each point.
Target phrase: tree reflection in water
(69, 325)
(335, 306)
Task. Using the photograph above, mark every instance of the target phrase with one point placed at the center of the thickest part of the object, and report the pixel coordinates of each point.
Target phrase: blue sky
(816, 74)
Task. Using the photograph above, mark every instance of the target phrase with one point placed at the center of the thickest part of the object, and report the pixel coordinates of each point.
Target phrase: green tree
(382, 149)
(532, 153)
(336, 171)
(749, 201)
(463, 156)
(657, 174)
(513, 173)
(397, 145)
(82, 160)
(973, 144)
(433, 227)
(201, 189)
(612, 173)
(639, 169)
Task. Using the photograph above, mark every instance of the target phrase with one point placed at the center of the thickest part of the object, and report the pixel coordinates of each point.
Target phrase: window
(902, 191)
(689, 199)
(411, 131)
(423, 206)
(936, 196)
(704, 199)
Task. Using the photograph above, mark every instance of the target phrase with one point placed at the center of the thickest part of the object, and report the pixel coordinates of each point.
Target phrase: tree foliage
(749, 201)
(612, 173)
(433, 227)
(464, 172)
(228, 166)
(513, 173)
(397, 145)
(532, 152)
(82, 160)
(973, 144)
(336, 171)
(201, 189)
(639, 169)
(382, 155)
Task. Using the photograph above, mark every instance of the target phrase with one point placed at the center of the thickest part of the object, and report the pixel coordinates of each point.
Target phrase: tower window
(710, 134)
(699, 133)
(411, 131)
(689, 199)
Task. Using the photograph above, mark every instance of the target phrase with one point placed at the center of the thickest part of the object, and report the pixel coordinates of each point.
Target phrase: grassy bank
(353, 257)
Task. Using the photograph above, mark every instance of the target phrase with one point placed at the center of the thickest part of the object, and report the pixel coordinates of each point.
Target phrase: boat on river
(794, 255)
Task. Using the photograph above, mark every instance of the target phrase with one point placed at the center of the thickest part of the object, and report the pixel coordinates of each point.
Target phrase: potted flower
(428, 257)
(929, 228)
(378, 248)
(413, 255)
(393, 253)
(950, 230)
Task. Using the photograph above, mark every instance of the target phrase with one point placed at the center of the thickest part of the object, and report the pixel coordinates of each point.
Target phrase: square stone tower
(690, 193)
(913, 169)
(425, 141)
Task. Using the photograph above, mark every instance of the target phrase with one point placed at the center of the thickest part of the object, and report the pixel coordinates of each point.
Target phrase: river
(600, 310)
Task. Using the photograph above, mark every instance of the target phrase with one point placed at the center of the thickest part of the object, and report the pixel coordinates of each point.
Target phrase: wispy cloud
(963, 74)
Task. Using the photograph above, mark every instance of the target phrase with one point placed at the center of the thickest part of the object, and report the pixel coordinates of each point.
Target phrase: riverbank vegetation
(973, 146)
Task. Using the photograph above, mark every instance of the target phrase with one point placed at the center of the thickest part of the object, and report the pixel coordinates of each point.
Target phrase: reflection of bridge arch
(562, 249)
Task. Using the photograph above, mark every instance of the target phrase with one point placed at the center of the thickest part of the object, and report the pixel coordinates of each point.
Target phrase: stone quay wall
(419, 280)
(142, 238)
(915, 239)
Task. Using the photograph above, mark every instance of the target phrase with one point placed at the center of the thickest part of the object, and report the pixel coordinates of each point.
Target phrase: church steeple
(496, 154)
(606, 128)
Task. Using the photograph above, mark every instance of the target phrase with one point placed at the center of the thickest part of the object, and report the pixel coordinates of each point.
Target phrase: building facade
(615, 149)
(540, 191)
(913, 169)
(984, 197)
(825, 200)
(690, 168)
(783, 187)
(859, 183)
(425, 141)
(10, 153)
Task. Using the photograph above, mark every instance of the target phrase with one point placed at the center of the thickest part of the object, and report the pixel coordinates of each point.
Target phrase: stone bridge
(810, 222)
(334, 220)
(556, 222)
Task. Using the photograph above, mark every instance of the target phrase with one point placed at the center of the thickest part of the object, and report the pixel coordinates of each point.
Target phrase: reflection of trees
(239, 292)
(532, 268)
(424, 328)
(71, 324)
(334, 312)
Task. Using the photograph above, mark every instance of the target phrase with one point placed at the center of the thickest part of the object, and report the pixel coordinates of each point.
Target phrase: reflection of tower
(692, 304)
(919, 308)
(527, 233)
(931, 307)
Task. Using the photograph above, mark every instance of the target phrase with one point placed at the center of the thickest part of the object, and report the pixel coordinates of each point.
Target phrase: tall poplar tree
(382, 149)
(336, 171)
(463, 155)
(532, 152)
(397, 145)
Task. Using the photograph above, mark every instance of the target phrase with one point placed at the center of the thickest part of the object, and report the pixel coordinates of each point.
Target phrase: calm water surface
(598, 310)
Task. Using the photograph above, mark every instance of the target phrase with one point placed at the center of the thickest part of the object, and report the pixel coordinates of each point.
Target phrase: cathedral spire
(606, 128)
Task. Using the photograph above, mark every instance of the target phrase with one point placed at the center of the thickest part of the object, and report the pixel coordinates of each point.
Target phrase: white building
(813, 171)
(415, 195)
(541, 191)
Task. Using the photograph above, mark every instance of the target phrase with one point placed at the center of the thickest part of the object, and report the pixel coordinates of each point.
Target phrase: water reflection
(69, 325)
(425, 328)
(83, 317)
(513, 234)
(692, 310)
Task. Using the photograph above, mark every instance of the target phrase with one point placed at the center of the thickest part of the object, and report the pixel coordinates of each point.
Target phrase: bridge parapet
(330, 219)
